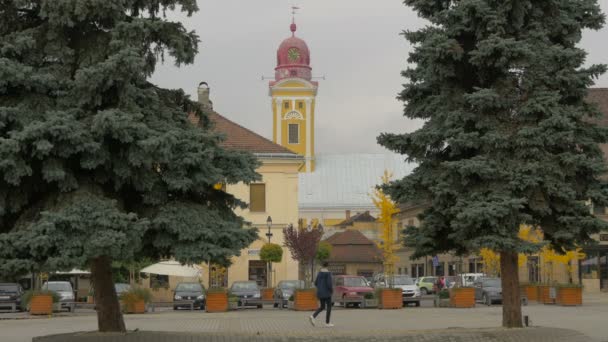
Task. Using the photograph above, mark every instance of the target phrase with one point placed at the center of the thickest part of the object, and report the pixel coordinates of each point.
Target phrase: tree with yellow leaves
(389, 244)
(491, 259)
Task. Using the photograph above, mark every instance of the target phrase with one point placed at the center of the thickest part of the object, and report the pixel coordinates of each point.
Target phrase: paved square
(589, 320)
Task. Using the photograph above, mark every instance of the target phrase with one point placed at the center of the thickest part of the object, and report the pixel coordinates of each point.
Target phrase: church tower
(293, 99)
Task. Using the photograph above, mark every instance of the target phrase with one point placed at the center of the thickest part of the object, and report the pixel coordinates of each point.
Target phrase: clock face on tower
(293, 54)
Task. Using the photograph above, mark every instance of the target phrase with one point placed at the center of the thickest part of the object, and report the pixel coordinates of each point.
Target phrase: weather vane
(294, 11)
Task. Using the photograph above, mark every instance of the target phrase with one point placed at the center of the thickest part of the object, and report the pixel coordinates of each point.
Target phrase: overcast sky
(355, 44)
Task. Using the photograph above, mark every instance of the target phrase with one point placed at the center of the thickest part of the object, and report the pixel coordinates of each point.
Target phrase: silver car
(488, 290)
(65, 292)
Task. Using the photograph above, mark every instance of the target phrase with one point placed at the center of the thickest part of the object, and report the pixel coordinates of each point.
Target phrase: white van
(468, 279)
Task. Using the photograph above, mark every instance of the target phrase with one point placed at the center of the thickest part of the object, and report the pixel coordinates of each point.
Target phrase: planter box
(233, 306)
(370, 303)
(569, 296)
(216, 302)
(531, 292)
(268, 294)
(290, 305)
(90, 300)
(138, 307)
(462, 297)
(545, 294)
(305, 300)
(41, 305)
(391, 299)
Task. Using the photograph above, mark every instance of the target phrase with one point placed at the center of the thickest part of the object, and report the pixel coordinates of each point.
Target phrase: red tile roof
(240, 138)
(360, 217)
(351, 246)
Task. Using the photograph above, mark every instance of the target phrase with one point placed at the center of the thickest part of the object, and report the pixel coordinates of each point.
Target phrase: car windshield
(491, 283)
(122, 287)
(291, 284)
(244, 286)
(58, 287)
(402, 280)
(8, 288)
(355, 282)
(189, 287)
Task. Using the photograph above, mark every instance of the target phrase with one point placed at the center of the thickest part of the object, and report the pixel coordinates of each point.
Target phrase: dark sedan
(488, 290)
(286, 289)
(10, 293)
(189, 292)
(246, 290)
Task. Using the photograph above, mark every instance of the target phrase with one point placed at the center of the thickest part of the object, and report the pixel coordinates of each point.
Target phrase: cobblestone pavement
(409, 324)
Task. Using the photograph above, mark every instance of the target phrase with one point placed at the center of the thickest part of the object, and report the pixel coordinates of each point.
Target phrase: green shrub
(444, 294)
(136, 294)
(27, 296)
(233, 299)
(369, 295)
(271, 252)
(291, 298)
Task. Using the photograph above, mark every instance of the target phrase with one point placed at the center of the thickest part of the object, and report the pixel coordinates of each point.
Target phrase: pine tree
(508, 138)
(98, 164)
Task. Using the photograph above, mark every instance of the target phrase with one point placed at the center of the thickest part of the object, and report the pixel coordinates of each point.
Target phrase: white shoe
(328, 325)
(312, 320)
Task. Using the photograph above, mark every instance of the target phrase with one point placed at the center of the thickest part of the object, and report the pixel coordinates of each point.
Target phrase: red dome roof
(293, 58)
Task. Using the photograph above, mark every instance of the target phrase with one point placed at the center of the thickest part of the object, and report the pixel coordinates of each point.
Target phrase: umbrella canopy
(173, 268)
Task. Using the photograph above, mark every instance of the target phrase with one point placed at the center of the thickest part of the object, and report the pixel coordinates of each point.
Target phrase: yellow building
(275, 196)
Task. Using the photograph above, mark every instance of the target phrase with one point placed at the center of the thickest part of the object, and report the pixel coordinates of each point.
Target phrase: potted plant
(233, 302)
(569, 294)
(370, 300)
(442, 299)
(40, 302)
(462, 297)
(270, 252)
(305, 299)
(91, 296)
(390, 298)
(217, 300)
(134, 301)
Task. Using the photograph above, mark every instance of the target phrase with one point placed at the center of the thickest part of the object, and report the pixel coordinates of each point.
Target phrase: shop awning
(173, 268)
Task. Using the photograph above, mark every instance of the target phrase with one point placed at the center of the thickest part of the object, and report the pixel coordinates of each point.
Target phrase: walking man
(325, 289)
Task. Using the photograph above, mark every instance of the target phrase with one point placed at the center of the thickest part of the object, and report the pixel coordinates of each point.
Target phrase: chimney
(203, 96)
(348, 214)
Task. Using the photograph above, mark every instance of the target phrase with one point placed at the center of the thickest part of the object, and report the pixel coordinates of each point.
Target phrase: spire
(293, 26)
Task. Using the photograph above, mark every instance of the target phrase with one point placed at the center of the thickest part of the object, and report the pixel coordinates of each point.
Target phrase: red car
(350, 289)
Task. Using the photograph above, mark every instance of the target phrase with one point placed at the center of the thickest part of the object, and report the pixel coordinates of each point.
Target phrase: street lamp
(269, 224)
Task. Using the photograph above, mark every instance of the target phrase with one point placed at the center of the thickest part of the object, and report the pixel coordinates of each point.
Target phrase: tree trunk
(511, 301)
(109, 316)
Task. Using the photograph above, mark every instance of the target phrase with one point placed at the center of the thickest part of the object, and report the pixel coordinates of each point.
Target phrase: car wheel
(175, 308)
(417, 304)
(275, 305)
(424, 291)
(260, 306)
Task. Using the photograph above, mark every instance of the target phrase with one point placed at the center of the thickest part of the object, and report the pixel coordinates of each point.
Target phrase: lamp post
(269, 235)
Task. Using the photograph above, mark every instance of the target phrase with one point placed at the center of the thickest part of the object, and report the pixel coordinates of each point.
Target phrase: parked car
(426, 284)
(488, 290)
(246, 290)
(10, 293)
(469, 279)
(185, 292)
(121, 288)
(65, 292)
(285, 289)
(350, 289)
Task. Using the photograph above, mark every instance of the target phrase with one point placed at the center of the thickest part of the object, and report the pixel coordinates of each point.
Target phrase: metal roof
(347, 180)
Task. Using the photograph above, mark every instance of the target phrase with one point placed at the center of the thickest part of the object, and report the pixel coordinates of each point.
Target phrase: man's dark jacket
(324, 284)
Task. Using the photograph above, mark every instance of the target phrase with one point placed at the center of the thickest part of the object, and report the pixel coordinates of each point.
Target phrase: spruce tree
(508, 138)
(98, 164)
